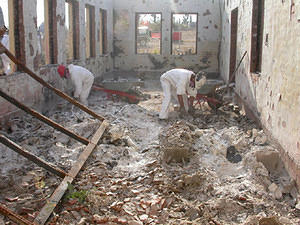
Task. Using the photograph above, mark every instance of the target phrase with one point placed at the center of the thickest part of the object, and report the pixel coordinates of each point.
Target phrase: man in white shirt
(182, 85)
(82, 80)
(5, 60)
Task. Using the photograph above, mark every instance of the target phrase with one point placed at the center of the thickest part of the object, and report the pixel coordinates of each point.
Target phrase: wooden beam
(18, 149)
(44, 83)
(13, 216)
(59, 192)
(44, 119)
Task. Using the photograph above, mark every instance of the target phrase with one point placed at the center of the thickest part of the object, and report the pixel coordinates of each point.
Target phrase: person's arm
(191, 105)
(191, 101)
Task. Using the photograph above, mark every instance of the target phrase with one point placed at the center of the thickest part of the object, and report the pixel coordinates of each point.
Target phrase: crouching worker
(82, 80)
(182, 85)
(5, 60)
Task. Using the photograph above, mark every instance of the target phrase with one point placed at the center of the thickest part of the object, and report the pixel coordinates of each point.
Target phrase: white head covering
(200, 79)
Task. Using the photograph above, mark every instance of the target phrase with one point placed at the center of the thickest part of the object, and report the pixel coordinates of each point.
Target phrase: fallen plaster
(127, 181)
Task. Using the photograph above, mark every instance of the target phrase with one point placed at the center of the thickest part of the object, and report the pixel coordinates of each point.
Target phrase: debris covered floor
(213, 169)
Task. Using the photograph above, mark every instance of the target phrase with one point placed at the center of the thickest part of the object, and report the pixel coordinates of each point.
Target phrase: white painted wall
(208, 35)
(274, 94)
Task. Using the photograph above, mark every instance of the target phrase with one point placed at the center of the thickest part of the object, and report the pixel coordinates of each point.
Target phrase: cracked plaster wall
(273, 96)
(125, 58)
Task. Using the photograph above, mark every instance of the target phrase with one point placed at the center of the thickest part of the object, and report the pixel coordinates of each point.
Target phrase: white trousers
(169, 91)
(6, 64)
(5, 60)
(86, 88)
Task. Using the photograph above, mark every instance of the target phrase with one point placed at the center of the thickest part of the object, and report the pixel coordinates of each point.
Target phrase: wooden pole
(59, 192)
(44, 119)
(18, 149)
(13, 216)
(233, 73)
(44, 83)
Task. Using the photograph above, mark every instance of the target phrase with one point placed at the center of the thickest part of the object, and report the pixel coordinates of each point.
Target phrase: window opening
(148, 33)
(72, 30)
(103, 32)
(184, 33)
(51, 33)
(41, 39)
(69, 35)
(257, 35)
(5, 62)
(15, 40)
(233, 41)
(90, 30)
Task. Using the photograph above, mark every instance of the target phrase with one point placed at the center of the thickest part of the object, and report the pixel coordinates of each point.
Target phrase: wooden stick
(18, 149)
(233, 73)
(44, 83)
(61, 189)
(13, 216)
(44, 119)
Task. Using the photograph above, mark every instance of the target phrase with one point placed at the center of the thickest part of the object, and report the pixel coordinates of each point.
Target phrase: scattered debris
(231, 173)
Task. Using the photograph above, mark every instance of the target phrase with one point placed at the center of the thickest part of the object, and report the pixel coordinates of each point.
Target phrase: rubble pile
(176, 143)
(124, 181)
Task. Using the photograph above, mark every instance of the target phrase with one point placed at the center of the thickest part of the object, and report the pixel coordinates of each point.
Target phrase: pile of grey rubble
(211, 169)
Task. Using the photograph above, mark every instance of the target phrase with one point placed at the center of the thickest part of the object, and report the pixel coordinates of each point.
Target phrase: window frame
(90, 31)
(234, 14)
(50, 31)
(103, 31)
(172, 27)
(74, 29)
(16, 31)
(257, 31)
(136, 26)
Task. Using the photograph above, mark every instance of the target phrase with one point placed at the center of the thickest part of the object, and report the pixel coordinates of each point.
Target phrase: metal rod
(121, 93)
(59, 192)
(44, 83)
(44, 119)
(4, 140)
(233, 73)
(13, 216)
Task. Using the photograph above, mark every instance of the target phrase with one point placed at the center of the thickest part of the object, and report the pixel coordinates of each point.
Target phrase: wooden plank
(44, 119)
(44, 83)
(4, 140)
(59, 192)
(13, 216)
